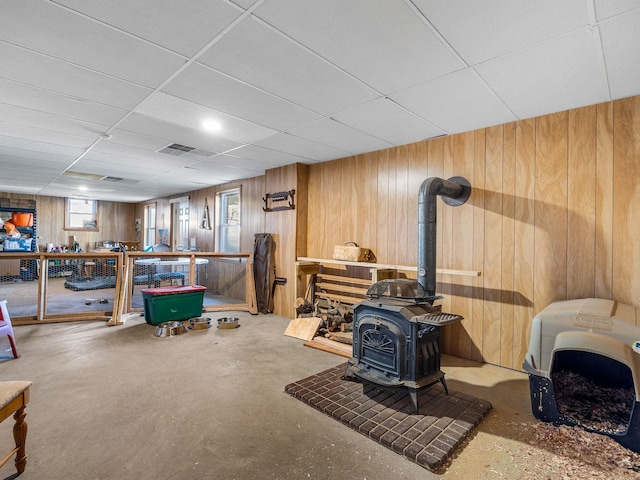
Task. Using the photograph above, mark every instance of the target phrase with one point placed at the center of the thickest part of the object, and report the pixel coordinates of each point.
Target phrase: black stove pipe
(454, 191)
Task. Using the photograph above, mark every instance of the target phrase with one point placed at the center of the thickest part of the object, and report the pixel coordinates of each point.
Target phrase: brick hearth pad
(388, 416)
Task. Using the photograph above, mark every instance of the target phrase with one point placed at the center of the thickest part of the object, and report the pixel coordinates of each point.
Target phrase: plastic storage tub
(18, 244)
(165, 304)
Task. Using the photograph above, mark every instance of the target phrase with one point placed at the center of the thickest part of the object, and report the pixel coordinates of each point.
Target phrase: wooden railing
(62, 287)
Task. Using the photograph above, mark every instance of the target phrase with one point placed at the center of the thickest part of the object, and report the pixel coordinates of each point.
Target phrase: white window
(149, 226)
(81, 214)
(229, 221)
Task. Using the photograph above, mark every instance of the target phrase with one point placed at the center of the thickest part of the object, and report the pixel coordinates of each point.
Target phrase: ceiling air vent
(112, 179)
(176, 149)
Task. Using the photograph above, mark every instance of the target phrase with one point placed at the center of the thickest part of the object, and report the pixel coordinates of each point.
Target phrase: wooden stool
(14, 396)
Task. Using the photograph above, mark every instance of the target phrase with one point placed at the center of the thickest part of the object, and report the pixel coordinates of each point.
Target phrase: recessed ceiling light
(212, 125)
(83, 188)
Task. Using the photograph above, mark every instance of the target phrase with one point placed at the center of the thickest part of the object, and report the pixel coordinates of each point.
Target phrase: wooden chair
(14, 396)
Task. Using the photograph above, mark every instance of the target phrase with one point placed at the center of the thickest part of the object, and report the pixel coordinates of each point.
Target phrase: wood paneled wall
(554, 214)
(251, 216)
(288, 230)
(115, 220)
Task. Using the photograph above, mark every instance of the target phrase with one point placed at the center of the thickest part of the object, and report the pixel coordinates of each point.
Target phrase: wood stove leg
(444, 384)
(413, 393)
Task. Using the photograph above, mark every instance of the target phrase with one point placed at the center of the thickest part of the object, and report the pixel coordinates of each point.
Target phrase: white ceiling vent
(112, 179)
(177, 149)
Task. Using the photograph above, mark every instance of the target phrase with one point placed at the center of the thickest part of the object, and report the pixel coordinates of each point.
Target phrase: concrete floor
(120, 403)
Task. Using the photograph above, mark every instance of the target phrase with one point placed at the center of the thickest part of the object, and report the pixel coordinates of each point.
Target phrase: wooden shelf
(443, 271)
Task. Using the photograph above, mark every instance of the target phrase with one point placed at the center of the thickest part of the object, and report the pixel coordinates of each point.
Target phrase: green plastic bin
(167, 304)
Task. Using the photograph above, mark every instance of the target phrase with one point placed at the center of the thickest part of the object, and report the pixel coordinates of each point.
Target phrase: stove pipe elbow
(455, 191)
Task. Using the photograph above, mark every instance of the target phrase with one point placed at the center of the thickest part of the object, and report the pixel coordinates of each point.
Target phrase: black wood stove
(396, 339)
(396, 331)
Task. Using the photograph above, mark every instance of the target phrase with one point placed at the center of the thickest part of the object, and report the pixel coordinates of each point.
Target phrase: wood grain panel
(382, 205)
(316, 211)
(366, 188)
(417, 173)
(524, 231)
(462, 249)
(626, 200)
(478, 201)
(581, 182)
(282, 225)
(508, 244)
(551, 209)
(435, 168)
(346, 183)
(492, 269)
(401, 202)
(604, 201)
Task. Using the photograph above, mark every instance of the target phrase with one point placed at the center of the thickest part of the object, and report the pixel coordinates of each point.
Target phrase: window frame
(90, 224)
(222, 227)
(148, 229)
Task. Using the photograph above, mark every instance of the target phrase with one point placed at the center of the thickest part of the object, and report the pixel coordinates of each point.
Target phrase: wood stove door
(381, 345)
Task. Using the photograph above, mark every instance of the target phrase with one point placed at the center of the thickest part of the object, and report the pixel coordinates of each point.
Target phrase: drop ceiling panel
(563, 73)
(455, 103)
(221, 172)
(202, 85)
(170, 24)
(19, 187)
(479, 31)
(191, 115)
(39, 25)
(43, 138)
(267, 157)
(388, 121)
(173, 133)
(608, 8)
(184, 184)
(301, 147)
(44, 72)
(335, 134)
(32, 149)
(33, 166)
(621, 46)
(13, 93)
(265, 58)
(247, 163)
(123, 138)
(101, 164)
(150, 164)
(381, 42)
(10, 114)
(245, 3)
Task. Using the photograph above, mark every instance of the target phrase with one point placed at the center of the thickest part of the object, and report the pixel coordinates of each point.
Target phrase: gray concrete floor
(119, 403)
